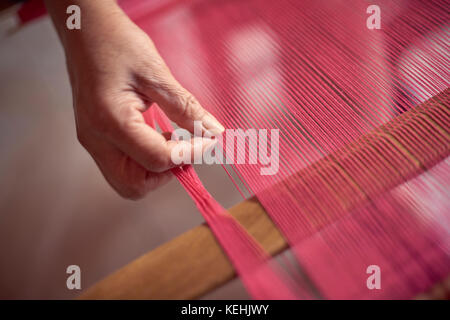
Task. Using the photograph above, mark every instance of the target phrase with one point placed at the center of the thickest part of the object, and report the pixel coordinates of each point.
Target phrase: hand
(116, 73)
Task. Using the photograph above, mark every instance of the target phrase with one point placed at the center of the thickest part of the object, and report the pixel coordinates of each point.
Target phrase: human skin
(116, 73)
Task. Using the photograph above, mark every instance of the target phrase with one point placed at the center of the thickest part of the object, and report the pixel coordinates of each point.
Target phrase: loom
(364, 143)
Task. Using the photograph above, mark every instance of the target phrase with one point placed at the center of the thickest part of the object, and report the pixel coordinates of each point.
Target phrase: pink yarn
(315, 71)
(261, 278)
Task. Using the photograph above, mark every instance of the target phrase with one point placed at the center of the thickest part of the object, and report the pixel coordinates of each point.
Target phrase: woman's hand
(116, 73)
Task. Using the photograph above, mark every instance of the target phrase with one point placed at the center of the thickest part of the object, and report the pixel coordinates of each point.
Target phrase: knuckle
(131, 194)
(190, 107)
(129, 124)
(157, 65)
(131, 191)
(156, 74)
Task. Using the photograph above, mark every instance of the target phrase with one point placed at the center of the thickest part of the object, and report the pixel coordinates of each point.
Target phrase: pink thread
(313, 70)
(262, 279)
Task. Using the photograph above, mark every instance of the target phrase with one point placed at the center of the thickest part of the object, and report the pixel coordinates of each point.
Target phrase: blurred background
(55, 207)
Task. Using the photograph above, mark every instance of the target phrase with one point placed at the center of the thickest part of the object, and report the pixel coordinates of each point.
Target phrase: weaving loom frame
(172, 270)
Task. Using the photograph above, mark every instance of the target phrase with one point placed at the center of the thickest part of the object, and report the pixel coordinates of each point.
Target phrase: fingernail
(212, 125)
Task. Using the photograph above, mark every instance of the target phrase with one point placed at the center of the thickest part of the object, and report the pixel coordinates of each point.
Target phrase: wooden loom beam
(194, 264)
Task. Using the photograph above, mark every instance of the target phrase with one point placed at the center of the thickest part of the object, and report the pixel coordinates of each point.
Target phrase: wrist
(95, 16)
